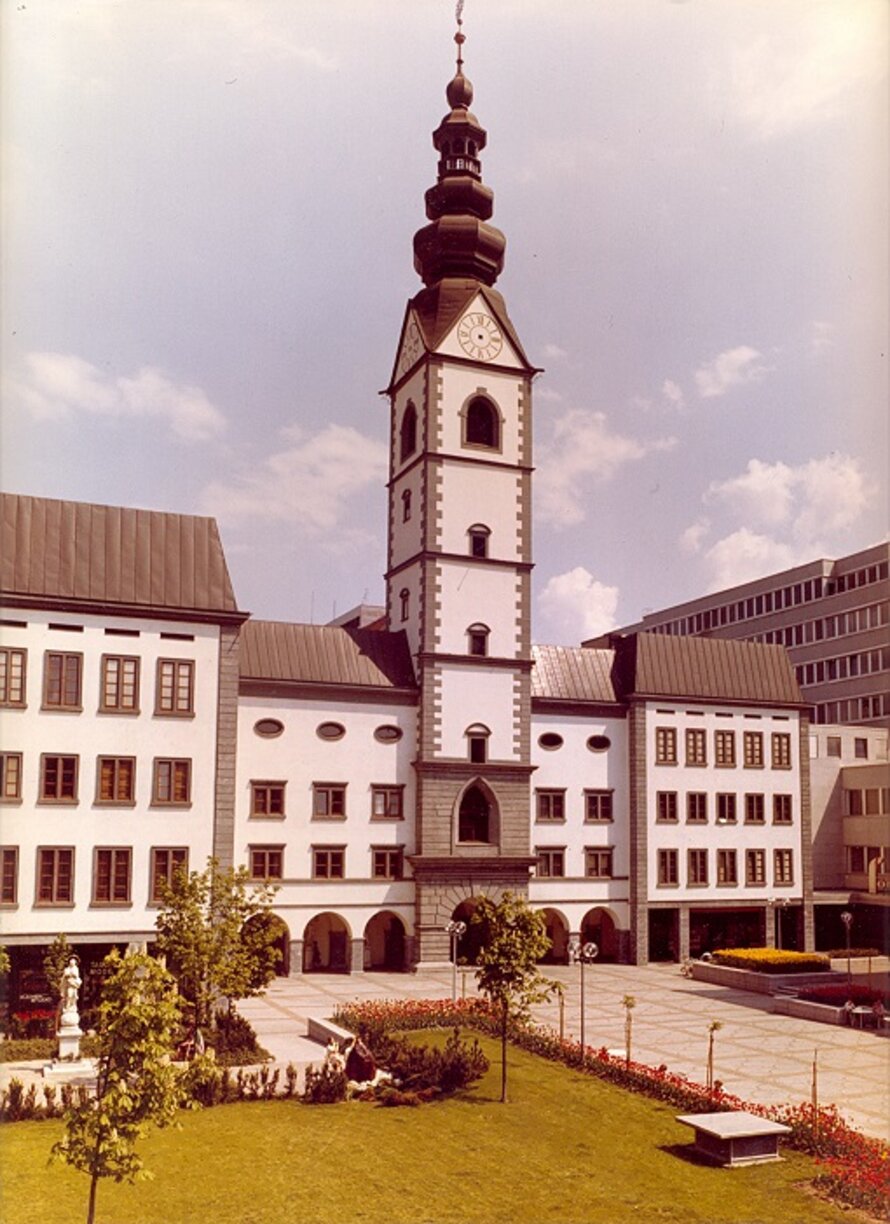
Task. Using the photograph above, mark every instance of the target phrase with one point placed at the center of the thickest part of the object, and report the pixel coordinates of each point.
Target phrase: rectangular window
(856, 861)
(551, 805)
(116, 780)
(328, 801)
(697, 867)
(726, 813)
(783, 866)
(781, 750)
(696, 746)
(267, 798)
(9, 875)
(665, 746)
(58, 779)
(860, 748)
(753, 749)
(387, 863)
(120, 684)
(666, 807)
(111, 876)
(696, 807)
(667, 868)
(755, 866)
(727, 871)
(387, 802)
(55, 876)
(12, 676)
(328, 862)
(61, 681)
(551, 863)
(176, 687)
(598, 806)
(724, 749)
(266, 862)
(755, 809)
(165, 862)
(10, 776)
(782, 809)
(833, 746)
(598, 863)
(172, 782)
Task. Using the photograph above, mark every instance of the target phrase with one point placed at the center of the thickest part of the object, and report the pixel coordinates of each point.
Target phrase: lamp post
(847, 920)
(582, 954)
(456, 930)
(776, 905)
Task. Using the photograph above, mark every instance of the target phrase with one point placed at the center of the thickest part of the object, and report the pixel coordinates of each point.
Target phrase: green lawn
(566, 1150)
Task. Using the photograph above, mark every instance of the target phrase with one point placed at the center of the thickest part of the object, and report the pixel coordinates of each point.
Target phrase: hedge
(772, 960)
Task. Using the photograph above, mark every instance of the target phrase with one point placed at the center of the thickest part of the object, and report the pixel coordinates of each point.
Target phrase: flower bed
(837, 996)
(772, 960)
(855, 1167)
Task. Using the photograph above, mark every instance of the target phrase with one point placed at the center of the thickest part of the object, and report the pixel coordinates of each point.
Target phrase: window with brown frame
(408, 432)
(781, 746)
(55, 875)
(328, 800)
(9, 875)
(481, 424)
(551, 862)
(666, 807)
(598, 806)
(119, 693)
(697, 868)
(62, 680)
(10, 777)
(58, 779)
(266, 862)
(696, 746)
(726, 808)
(782, 810)
(387, 862)
(477, 640)
(387, 802)
(667, 868)
(550, 806)
(176, 687)
(172, 784)
(783, 866)
(406, 506)
(696, 807)
(755, 866)
(13, 670)
(727, 869)
(724, 749)
(328, 862)
(755, 809)
(479, 536)
(665, 746)
(267, 799)
(111, 875)
(752, 748)
(116, 780)
(165, 862)
(598, 862)
(404, 603)
(477, 743)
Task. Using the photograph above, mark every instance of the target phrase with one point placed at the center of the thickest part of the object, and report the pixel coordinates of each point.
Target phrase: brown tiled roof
(60, 551)
(664, 665)
(325, 654)
(570, 673)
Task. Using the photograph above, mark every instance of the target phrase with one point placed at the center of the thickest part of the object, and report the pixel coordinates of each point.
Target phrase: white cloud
(57, 385)
(732, 368)
(763, 493)
(576, 606)
(744, 556)
(547, 395)
(582, 448)
(821, 338)
(834, 492)
(554, 351)
(673, 393)
(308, 484)
(692, 538)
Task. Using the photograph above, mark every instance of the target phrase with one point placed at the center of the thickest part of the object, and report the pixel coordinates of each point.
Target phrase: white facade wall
(89, 734)
(472, 494)
(477, 694)
(478, 595)
(460, 384)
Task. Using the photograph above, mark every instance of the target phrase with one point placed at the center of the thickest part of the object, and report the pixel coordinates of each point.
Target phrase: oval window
(330, 731)
(599, 743)
(268, 727)
(388, 734)
(550, 740)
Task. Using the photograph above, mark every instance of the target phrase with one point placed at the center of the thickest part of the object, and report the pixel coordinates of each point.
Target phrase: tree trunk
(91, 1210)
(504, 1015)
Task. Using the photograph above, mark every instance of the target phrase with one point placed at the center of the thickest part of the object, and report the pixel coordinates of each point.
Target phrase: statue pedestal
(69, 1036)
(69, 1065)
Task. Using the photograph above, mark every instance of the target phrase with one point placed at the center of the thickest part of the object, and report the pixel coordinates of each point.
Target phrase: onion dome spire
(458, 242)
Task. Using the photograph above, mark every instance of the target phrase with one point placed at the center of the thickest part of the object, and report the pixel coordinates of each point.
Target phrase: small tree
(628, 1003)
(136, 1082)
(214, 926)
(714, 1027)
(514, 938)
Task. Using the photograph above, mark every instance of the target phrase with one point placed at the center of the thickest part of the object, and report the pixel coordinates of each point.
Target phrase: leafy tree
(136, 1083)
(5, 965)
(514, 938)
(216, 929)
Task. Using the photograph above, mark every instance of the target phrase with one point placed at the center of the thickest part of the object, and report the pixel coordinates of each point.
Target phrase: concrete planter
(805, 1010)
(758, 983)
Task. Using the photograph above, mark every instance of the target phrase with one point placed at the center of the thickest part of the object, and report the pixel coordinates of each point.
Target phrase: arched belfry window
(406, 505)
(408, 432)
(482, 423)
(478, 536)
(477, 639)
(474, 816)
(405, 602)
(477, 743)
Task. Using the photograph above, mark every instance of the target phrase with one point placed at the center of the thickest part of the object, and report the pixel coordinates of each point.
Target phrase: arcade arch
(326, 944)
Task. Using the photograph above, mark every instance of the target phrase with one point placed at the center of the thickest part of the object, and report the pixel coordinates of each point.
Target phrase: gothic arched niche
(477, 816)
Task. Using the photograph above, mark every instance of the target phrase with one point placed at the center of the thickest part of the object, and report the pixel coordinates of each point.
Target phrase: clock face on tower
(479, 336)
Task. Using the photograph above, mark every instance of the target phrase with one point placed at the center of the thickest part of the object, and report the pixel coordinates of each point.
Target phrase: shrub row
(837, 996)
(32, 1049)
(855, 1169)
(855, 953)
(772, 960)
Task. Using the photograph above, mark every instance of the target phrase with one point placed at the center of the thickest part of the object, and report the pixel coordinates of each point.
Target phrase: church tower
(459, 541)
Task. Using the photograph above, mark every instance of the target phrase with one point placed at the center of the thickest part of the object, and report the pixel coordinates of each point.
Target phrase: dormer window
(477, 743)
(478, 536)
(477, 640)
(408, 432)
(482, 424)
(406, 506)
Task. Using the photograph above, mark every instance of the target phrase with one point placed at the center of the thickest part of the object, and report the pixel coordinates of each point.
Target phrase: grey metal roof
(76, 551)
(571, 673)
(325, 654)
(665, 665)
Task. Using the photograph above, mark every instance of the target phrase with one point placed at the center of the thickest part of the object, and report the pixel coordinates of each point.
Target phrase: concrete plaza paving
(758, 1055)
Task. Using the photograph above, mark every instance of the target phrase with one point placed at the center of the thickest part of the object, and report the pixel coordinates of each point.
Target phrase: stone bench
(735, 1138)
(322, 1030)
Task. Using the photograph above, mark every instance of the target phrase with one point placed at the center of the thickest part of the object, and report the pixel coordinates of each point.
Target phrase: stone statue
(70, 986)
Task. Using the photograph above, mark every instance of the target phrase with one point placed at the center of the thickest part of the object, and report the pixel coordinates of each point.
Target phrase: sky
(208, 211)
